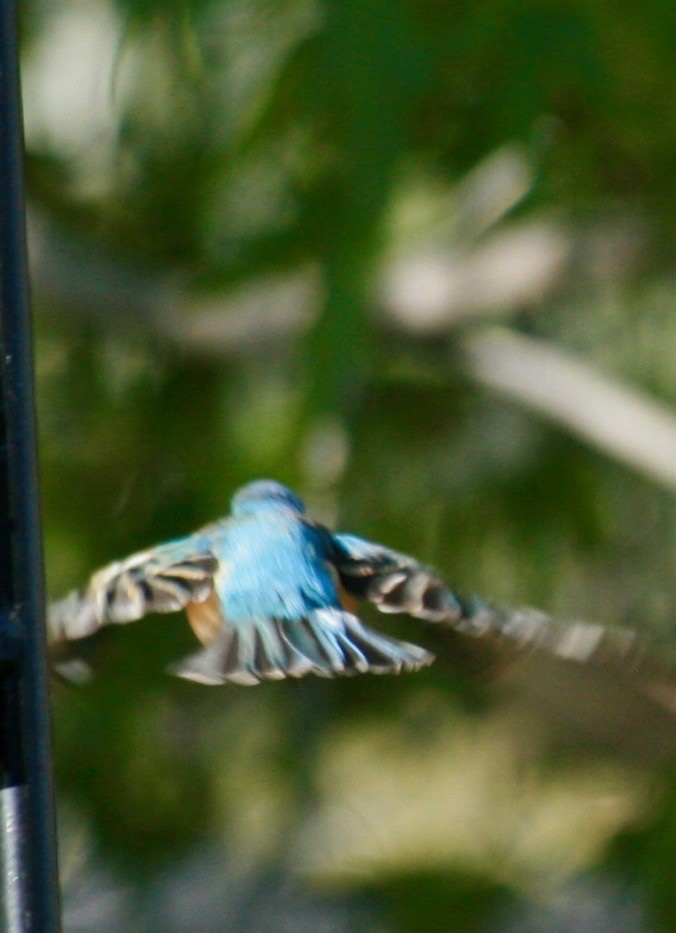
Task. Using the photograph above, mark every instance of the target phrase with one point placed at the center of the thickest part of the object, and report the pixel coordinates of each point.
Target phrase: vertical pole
(28, 887)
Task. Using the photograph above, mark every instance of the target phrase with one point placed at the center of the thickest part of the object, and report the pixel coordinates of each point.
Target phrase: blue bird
(266, 591)
(270, 593)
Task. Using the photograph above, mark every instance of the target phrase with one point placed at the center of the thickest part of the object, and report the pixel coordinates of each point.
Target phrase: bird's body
(275, 565)
(270, 594)
(262, 591)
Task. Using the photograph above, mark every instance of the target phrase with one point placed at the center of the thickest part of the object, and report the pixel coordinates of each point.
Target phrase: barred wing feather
(163, 579)
(397, 583)
(392, 581)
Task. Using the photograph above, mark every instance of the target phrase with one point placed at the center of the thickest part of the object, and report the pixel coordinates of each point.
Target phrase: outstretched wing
(162, 579)
(392, 581)
(526, 629)
(397, 583)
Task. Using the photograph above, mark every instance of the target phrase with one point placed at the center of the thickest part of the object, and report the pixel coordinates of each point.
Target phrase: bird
(270, 594)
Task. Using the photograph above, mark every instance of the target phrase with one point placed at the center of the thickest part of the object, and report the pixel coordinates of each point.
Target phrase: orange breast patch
(205, 618)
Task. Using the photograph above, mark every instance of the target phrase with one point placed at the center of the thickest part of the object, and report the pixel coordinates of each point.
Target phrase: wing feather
(397, 583)
(392, 581)
(163, 579)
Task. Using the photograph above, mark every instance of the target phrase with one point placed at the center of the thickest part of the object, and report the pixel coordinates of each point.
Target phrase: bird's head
(265, 495)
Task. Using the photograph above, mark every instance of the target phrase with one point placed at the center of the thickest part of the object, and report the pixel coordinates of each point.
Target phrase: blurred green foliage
(226, 198)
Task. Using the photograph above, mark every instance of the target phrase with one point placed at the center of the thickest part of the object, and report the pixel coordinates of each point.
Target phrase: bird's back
(273, 566)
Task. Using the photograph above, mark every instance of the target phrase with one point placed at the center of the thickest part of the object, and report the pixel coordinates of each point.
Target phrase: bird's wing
(392, 581)
(397, 583)
(163, 579)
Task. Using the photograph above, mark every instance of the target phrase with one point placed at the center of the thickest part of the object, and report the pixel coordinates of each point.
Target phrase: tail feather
(328, 643)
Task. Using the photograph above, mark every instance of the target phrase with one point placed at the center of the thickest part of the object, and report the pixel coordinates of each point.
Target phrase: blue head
(265, 495)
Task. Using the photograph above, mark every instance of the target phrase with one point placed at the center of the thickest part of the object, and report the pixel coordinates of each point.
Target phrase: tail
(328, 643)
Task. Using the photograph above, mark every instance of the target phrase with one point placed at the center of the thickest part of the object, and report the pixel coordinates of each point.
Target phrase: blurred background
(417, 261)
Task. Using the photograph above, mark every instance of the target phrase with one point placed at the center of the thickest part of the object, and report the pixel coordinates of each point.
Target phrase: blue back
(274, 566)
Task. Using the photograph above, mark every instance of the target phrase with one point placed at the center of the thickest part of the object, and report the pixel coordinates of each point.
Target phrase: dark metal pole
(29, 887)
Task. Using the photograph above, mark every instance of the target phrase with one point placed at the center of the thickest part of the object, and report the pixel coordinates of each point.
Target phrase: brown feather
(205, 618)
